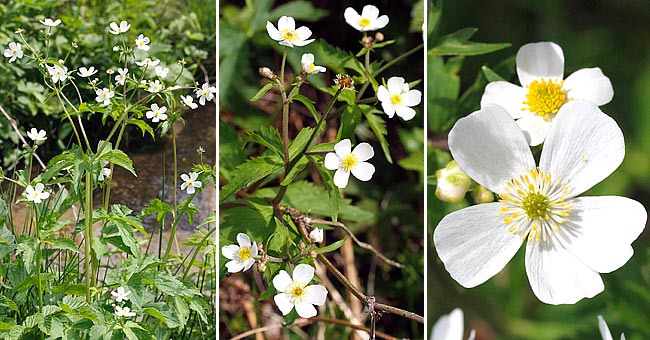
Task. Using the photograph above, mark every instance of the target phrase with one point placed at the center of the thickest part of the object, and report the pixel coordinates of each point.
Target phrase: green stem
(400, 57)
(196, 251)
(88, 235)
(367, 69)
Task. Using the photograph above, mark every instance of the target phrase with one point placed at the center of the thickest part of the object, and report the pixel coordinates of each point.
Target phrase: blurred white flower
(35, 135)
(36, 194)
(121, 77)
(123, 312)
(86, 72)
(398, 99)
(161, 72)
(604, 330)
(14, 51)
(114, 29)
(287, 34)
(104, 96)
(345, 161)
(50, 22)
(148, 63)
(308, 66)
(190, 182)
(120, 294)
(189, 101)
(450, 327)
(369, 20)
(205, 93)
(241, 256)
(156, 113)
(142, 42)
(58, 73)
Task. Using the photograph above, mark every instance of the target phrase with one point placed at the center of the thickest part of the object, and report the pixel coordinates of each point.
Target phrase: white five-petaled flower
(396, 98)
(345, 161)
(148, 63)
(535, 104)
(161, 72)
(295, 292)
(155, 86)
(190, 182)
(104, 96)
(205, 93)
(604, 330)
(124, 26)
(103, 174)
(121, 294)
(50, 22)
(36, 135)
(570, 240)
(450, 327)
(316, 235)
(241, 256)
(121, 77)
(14, 51)
(189, 101)
(36, 194)
(308, 66)
(124, 312)
(369, 20)
(142, 42)
(156, 113)
(58, 73)
(86, 72)
(287, 34)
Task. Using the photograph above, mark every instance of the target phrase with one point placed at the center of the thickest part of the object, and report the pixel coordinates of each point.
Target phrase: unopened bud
(482, 195)
(453, 183)
(367, 41)
(261, 266)
(301, 245)
(313, 254)
(344, 81)
(316, 235)
(299, 79)
(267, 73)
(379, 36)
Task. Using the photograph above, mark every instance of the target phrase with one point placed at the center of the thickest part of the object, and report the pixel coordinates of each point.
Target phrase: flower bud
(267, 73)
(301, 245)
(379, 36)
(261, 266)
(482, 195)
(344, 81)
(313, 254)
(453, 183)
(316, 235)
(367, 41)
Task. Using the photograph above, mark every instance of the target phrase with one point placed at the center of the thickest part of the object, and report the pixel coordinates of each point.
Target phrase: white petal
(537, 60)
(352, 18)
(363, 151)
(235, 266)
(589, 84)
(604, 330)
(474, 244)
(604, 229)
(389, 108)
(230, 251)
(332, 161)
(303, 33)
(248, 263)
(284, 303)
(558, 277)
(243, 240)
(282, 281)
(303, 42)
(449, 327)
(303, 273)
(583, 145)
(395, 85)
(412, 98)
(363, 171)
(382, 94)
(184, 177)
(370, 12)
(380, 23)
(534, 127)
(306, 310)
(316, 294)
(286, 23)
(343, 148)
(406, 113)
(490, 148)
(341, 178)
(508, 96)
(283, 43)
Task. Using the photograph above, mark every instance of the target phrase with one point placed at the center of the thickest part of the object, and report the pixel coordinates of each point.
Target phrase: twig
(12, 122)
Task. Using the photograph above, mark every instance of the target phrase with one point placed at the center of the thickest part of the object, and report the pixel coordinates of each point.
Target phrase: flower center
(396, 99)
(349, 162)
(297, 292)
(289, 35)
(545, 97)
(535, 205)
(364, 22)
(312, 66)
(244, 253)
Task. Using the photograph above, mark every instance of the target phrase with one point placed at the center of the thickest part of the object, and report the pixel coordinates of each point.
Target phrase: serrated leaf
(262, 91)
(163, 313)
(458, 43)
(62, 243)
(267, 136)
(120, 159)
(195, 305)
(378, 127)
(332, 190)
(414, 162)
(158, 207)
(350, 119)
(331, 247)
(168, 284)
(295, 170)
(248, 173)
(9, 303)
(144, 126)
(308, 104)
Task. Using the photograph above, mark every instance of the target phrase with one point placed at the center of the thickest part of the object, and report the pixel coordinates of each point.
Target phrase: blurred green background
(614, 36)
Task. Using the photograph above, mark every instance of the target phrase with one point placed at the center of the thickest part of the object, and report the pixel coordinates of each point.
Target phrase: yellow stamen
(545, 97)
(244, 253)
(349, 162)
(364, 22)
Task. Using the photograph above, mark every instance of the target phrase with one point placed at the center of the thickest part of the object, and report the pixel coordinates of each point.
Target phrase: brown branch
(13, 124)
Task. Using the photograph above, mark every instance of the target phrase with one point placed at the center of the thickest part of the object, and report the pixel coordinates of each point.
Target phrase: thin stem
(88, 235)
(367, 69)
(399, 58)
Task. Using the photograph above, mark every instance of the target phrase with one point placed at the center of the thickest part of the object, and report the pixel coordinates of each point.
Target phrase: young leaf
(458, 43)
(119, 158)
(331, 247)
(308, 104)
(248, 173)
(262, 91)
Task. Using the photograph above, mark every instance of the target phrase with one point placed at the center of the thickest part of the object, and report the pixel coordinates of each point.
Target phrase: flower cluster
(122, 295)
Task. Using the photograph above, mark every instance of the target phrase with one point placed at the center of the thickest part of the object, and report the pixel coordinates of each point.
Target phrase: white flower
(124, 26)
(36, 135)
(450, 327)
(142, 42)
(345, 161)
(156, 113)
(540, 67)
(452, 183)
(58, 73)
(161, 72)
(190, 182)
(241, 256)
(14, 51)
(86, 72)
(570, 240)
(50, 22)
(155, 86)
(121, 77)
(104, 96)
(121, 294)
(104, 173)
(189, 101)
(295, 292)
(205, 93)
(604, 330)
(398, 99)
(316, 235)
(147, 62)
(36, 195)
(287, 34)
(124, 312)
(308, 66)
(369, 20)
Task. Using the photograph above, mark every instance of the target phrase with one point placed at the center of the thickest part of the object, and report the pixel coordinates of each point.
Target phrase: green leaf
(332, 190)
(331, 247)
(262, 91)
(232, 58)
(458, 43)
(378, 127)
(308, 104)
(163, 313)
(299, 142)
(158, 207)
(297, 169)
(267, 136)
(442, 99)
(9, 303)
(197, 305)
(62, 243)
(490, 75)
(230, 154)
(168, 284)
(144, 127)
(302, 10)
(414, 162)
(350, 119)
(119, 158)
(248, 173)
(338, 60)
(323, 147)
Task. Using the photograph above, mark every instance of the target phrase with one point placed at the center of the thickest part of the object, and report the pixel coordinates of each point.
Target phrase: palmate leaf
(458, 43)
(250, 172)
(378, 127)
(267, 136)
